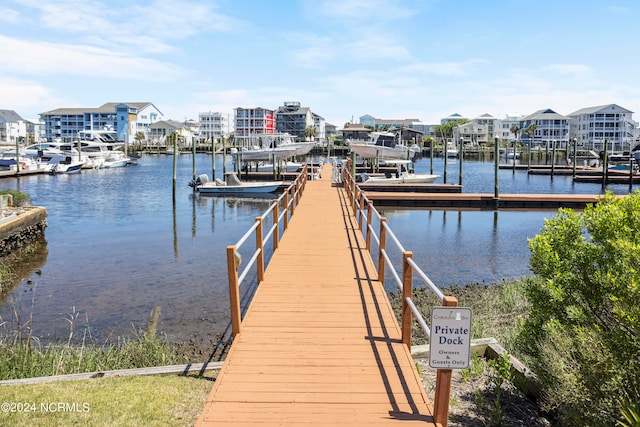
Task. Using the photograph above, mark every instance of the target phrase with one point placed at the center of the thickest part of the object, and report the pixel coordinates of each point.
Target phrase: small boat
(401, 176)
(452, 151)
(273, 147)
(59, 164)
(232, 185)
(383, 145)
(510, 155)
(116, 159)
(584, 158)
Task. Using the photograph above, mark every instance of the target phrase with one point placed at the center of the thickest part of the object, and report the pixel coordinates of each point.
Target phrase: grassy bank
(126, 401)
(496, 309)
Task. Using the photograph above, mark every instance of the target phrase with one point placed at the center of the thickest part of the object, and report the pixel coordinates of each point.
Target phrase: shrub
(583, 329)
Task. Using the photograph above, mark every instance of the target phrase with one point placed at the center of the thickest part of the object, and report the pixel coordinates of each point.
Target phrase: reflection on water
(120, 244)
(458, 247)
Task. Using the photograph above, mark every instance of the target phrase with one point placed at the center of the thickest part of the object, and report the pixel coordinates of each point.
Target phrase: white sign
(450, 341)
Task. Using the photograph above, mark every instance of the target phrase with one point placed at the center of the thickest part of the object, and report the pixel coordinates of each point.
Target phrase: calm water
(117, 245)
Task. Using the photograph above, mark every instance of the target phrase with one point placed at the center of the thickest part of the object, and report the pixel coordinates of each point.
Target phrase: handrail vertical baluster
(276, 225)
(382, 247)
(361, 209)
(407, 292)
(234, 291)
(260, 247)
(286, 210)
(369, 219)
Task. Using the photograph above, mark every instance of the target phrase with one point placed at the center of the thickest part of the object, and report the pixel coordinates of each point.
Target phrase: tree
(310, 132)
(139, 137)
(583, 330)
(445, 131)
(515, 130)
(530, 131)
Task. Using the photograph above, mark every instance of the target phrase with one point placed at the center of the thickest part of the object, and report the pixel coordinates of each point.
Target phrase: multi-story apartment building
(452, 118)
(127, 119)
(254, 121)
(593, 126)
(471, 133)
(160, 132)
(13, 128)
(215, 125)
(504, 128)
(490, 124)
(386, 124)
(551, 128)
(293, 119)
(321, 127)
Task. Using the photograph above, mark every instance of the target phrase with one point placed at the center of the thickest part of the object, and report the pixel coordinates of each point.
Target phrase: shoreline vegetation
(575, 323)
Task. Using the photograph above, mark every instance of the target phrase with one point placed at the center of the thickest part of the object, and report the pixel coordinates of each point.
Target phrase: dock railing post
(354, 200)
(382, 247)
(293, 201)
(361, 209)
(286, 210)
(407, 292)
(259, 247)
(369, 218)
(443, 383)
(234, 291)
(276, 226)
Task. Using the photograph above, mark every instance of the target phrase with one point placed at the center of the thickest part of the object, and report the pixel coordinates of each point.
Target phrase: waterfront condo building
(550, 128)
(593, 126)
(293, 119)
(254, 121)
(127, 119)
(215, 125)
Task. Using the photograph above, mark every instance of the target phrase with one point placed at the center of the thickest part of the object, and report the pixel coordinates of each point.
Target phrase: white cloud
(357, 11)
(131, 27)
(40, 58)
(25, 95)
(9, 15)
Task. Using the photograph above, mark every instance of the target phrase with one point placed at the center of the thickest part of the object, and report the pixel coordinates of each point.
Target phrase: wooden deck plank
(320, 344)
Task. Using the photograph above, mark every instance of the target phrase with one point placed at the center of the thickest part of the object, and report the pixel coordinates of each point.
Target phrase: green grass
(125, 401)
(497, 309)
(19, 199)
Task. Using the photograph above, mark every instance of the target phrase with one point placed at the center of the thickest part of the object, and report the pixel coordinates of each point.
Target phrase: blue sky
(422, 59)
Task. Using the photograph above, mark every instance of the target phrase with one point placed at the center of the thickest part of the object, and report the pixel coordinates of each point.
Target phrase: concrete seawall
(20, 226)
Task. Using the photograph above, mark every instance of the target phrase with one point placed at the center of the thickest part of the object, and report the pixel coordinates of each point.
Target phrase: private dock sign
(450, 341)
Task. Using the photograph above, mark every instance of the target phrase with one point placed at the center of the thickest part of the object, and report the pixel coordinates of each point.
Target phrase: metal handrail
(290, 199)
(358, 200)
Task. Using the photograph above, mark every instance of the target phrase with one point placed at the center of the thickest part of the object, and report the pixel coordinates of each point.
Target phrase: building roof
(546, 114)
(400, 122)
(486, 116)
(355, 127)
(109, 107)
(598, 109)
(10, 116)
(168, 123)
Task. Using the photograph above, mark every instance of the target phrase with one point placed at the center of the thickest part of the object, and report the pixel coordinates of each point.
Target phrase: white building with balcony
(593, 126)
(215, 125)
(550, 128)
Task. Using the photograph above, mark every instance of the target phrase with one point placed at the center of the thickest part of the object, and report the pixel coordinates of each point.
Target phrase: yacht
(383, 145)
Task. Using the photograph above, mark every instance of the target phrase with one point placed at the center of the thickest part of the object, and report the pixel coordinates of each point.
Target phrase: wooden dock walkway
(320, 344)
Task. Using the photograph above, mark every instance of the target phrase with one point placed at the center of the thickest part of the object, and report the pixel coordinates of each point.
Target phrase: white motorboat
(273, 147)
(383, 145)
(9, 162)
(401, 176)
(59, 164)
(584, 158)
(116, 159)
(232, 185)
